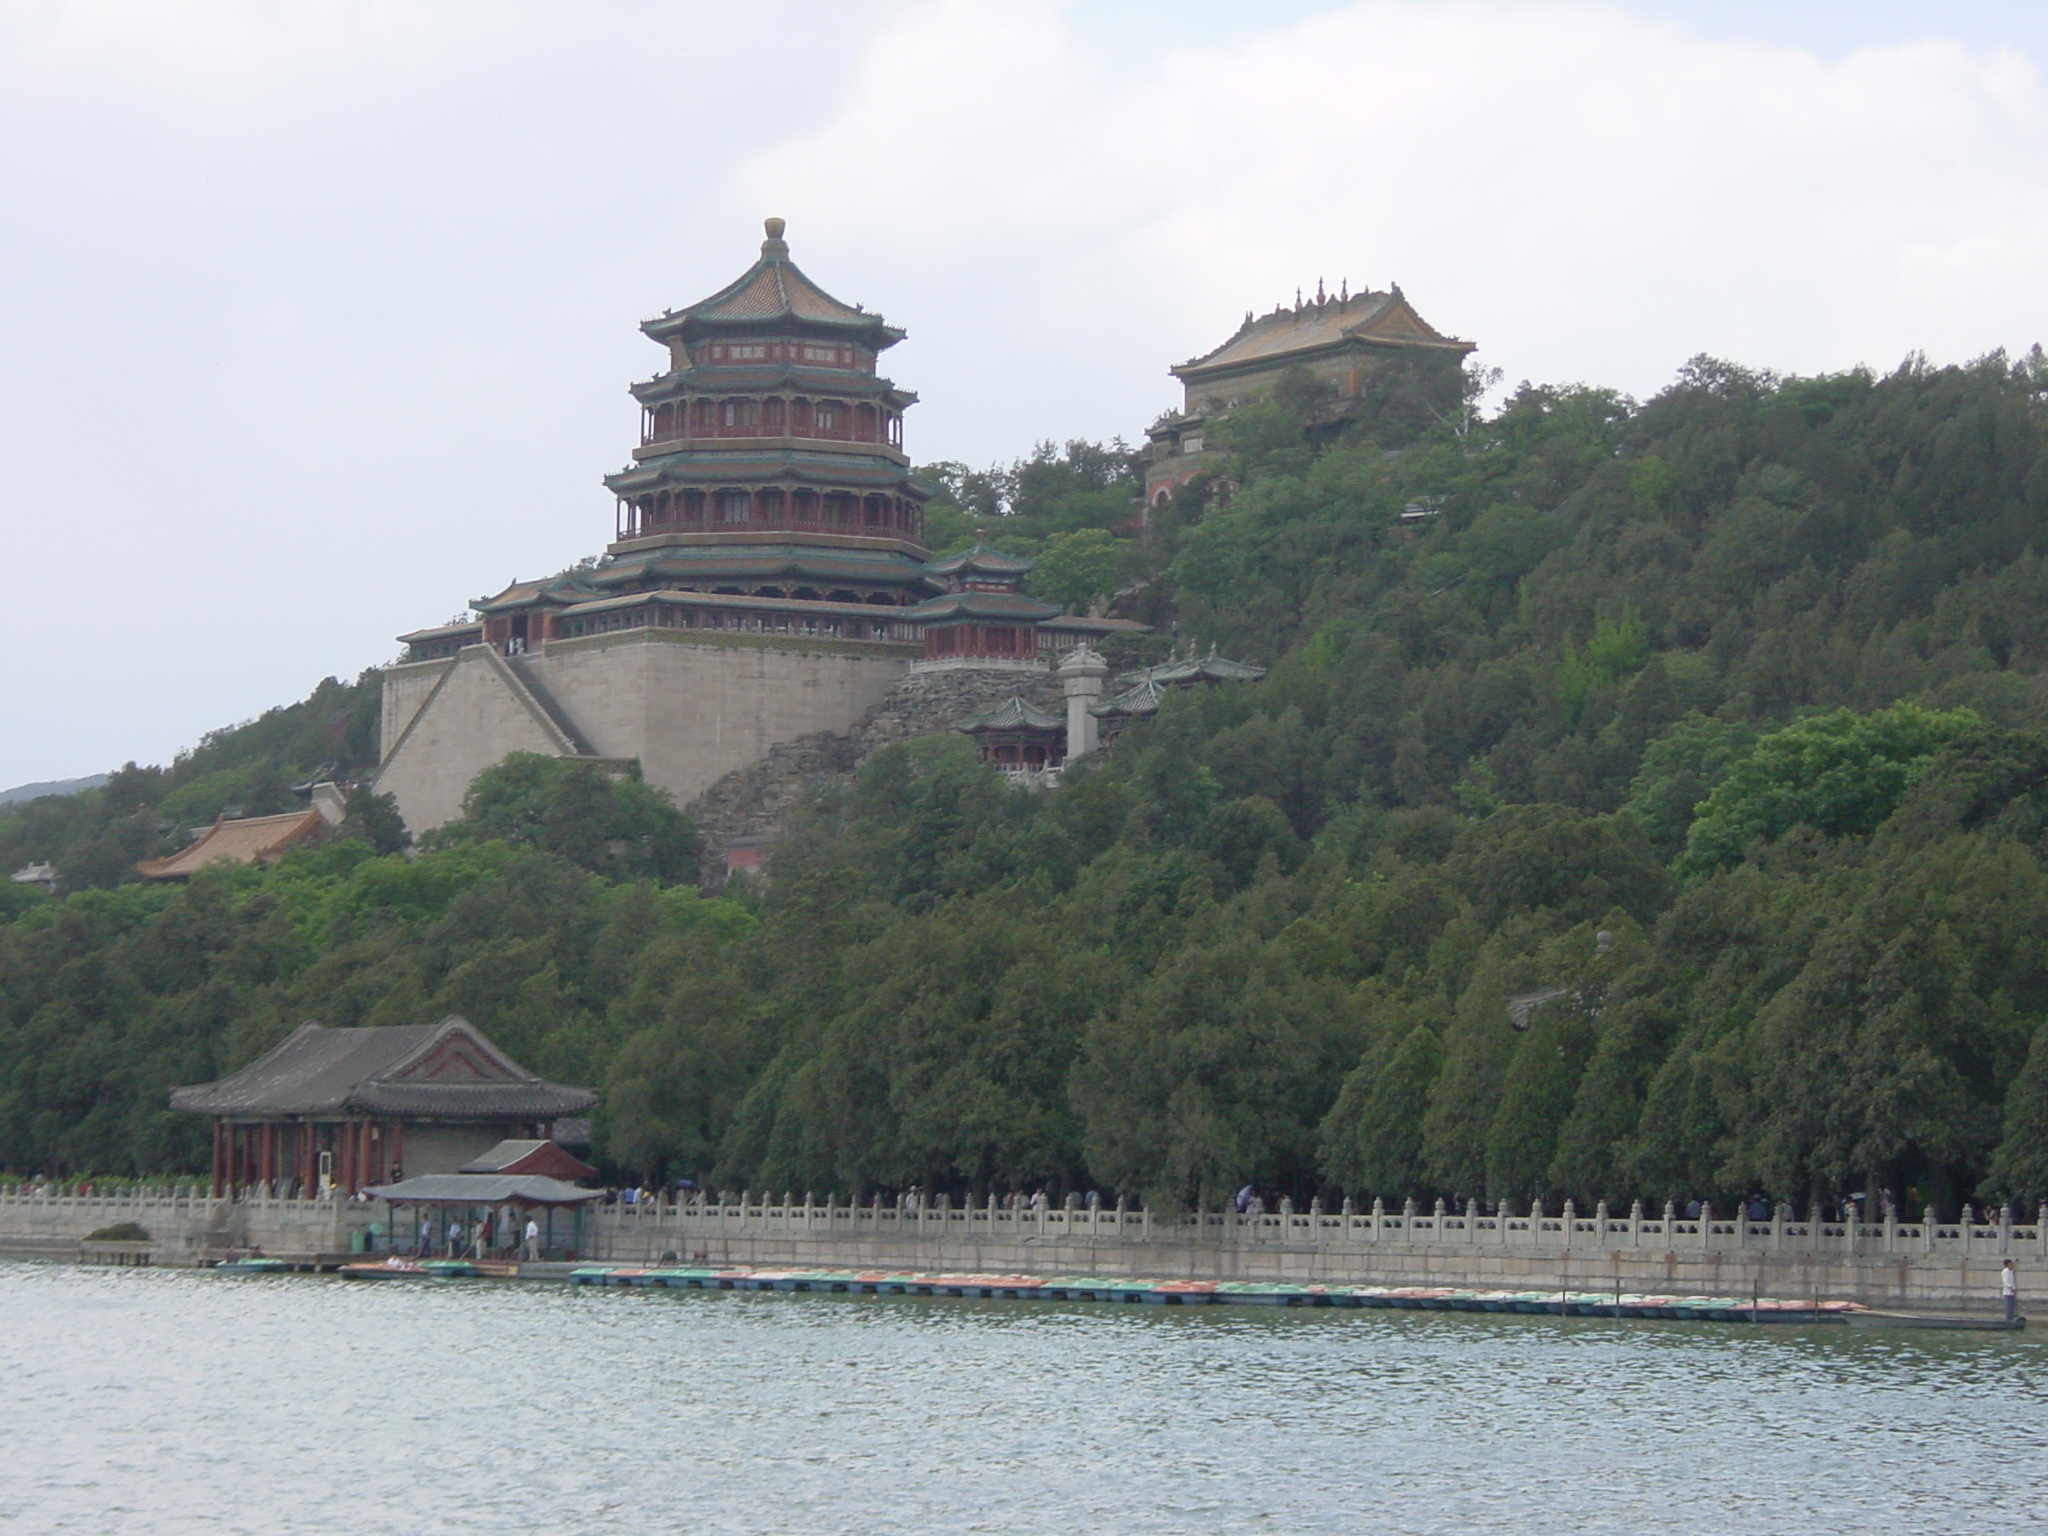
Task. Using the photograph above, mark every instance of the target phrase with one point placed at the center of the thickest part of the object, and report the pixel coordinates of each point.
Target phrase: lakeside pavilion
(343, 1109)
(496, 1194)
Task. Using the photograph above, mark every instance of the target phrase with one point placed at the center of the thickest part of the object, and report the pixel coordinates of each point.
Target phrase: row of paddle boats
(1191, 1293)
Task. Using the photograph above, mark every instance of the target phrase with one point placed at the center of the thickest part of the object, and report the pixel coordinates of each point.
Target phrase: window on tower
(733, 506)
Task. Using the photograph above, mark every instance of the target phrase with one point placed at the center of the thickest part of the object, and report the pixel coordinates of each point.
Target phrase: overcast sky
(317, 317)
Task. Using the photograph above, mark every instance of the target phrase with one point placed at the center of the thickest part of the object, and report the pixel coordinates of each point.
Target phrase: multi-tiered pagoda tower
(771, 451)
(768, 578)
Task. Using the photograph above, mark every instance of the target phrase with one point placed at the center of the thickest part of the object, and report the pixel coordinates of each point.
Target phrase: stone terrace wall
(185, 1227)
(1904, 1264)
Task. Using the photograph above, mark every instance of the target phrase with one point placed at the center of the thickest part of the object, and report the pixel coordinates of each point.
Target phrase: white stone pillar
(1081, 675)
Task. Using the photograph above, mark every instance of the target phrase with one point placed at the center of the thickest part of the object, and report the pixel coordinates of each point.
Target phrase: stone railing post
(1379, 1217)
(1471, 1222)
(1891, 1228)
(1706, 1232)
(1600, 1222)
(1571, 1217)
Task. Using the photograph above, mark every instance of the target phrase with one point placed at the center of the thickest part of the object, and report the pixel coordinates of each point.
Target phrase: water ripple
(173, 1402)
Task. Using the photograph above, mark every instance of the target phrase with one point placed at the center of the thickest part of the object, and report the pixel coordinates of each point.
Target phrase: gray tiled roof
(485, 1189)
(445, 1070)
(1014, 713)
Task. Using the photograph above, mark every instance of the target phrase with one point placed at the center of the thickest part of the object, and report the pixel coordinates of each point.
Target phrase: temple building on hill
(768, 576)
(1032, 745)
(1344, 343)
(345, 1109)
(253, 839)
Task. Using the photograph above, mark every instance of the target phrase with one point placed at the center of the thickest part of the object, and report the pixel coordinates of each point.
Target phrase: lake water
(173, 1401)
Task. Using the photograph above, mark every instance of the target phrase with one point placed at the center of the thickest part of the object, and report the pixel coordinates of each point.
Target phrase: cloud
(319, 313)
(1587, 193)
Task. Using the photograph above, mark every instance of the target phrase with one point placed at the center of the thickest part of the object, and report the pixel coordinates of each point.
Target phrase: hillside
(1713, 731)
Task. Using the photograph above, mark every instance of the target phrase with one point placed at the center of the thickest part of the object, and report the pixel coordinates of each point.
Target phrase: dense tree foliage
(1644, 801)
(96, 836)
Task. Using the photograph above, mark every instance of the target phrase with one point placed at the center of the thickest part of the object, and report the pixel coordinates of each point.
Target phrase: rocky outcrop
(925, 703)
(750, 806)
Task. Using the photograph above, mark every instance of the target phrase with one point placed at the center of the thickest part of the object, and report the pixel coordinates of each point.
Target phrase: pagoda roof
(483, 1189)
(1013, 714)
(721, 560)
(447, 1069)
(1199, 669)
(247, 840)
(524, 594)
(1142, 698)
(439, 632)
(1013, 607)
(1383, 319)
(867, 468)
(855, 383)
(982, 558)
(879, 612)
(773, 290)
(1082, 624)
(550, 1159)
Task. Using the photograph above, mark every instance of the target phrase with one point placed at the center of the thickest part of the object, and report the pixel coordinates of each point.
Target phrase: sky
(316, 318)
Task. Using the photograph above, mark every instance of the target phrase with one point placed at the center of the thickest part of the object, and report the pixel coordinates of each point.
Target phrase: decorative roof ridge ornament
(1083, 661)
(774, 248)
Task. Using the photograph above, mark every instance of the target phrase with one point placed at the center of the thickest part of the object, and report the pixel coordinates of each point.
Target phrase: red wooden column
(350, 1134)
(266, 1162)
(398, 1145)
(217, 1159)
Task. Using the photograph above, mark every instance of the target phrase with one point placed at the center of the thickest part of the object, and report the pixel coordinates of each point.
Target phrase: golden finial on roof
(775, 227)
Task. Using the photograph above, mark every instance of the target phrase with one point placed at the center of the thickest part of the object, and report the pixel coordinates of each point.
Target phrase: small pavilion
(1017, 736)
(343, 1109)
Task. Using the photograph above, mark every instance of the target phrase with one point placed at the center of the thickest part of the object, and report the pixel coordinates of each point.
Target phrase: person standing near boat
(530, 1249)
(2009, 1288)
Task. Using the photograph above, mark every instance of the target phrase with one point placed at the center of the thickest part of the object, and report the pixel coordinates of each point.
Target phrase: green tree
(1536, 1097)
(1840, 774)
(2019, 1165)
(1372, 1136)
(1076, 569)
(594, 816)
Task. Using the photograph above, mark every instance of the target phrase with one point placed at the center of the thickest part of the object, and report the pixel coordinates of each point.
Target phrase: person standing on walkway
(2009, 1288)
(530, 1249)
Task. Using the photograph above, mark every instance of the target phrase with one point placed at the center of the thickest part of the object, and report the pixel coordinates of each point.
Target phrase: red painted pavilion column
(266, 1166)
(398, 1145)
(217, 1159)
